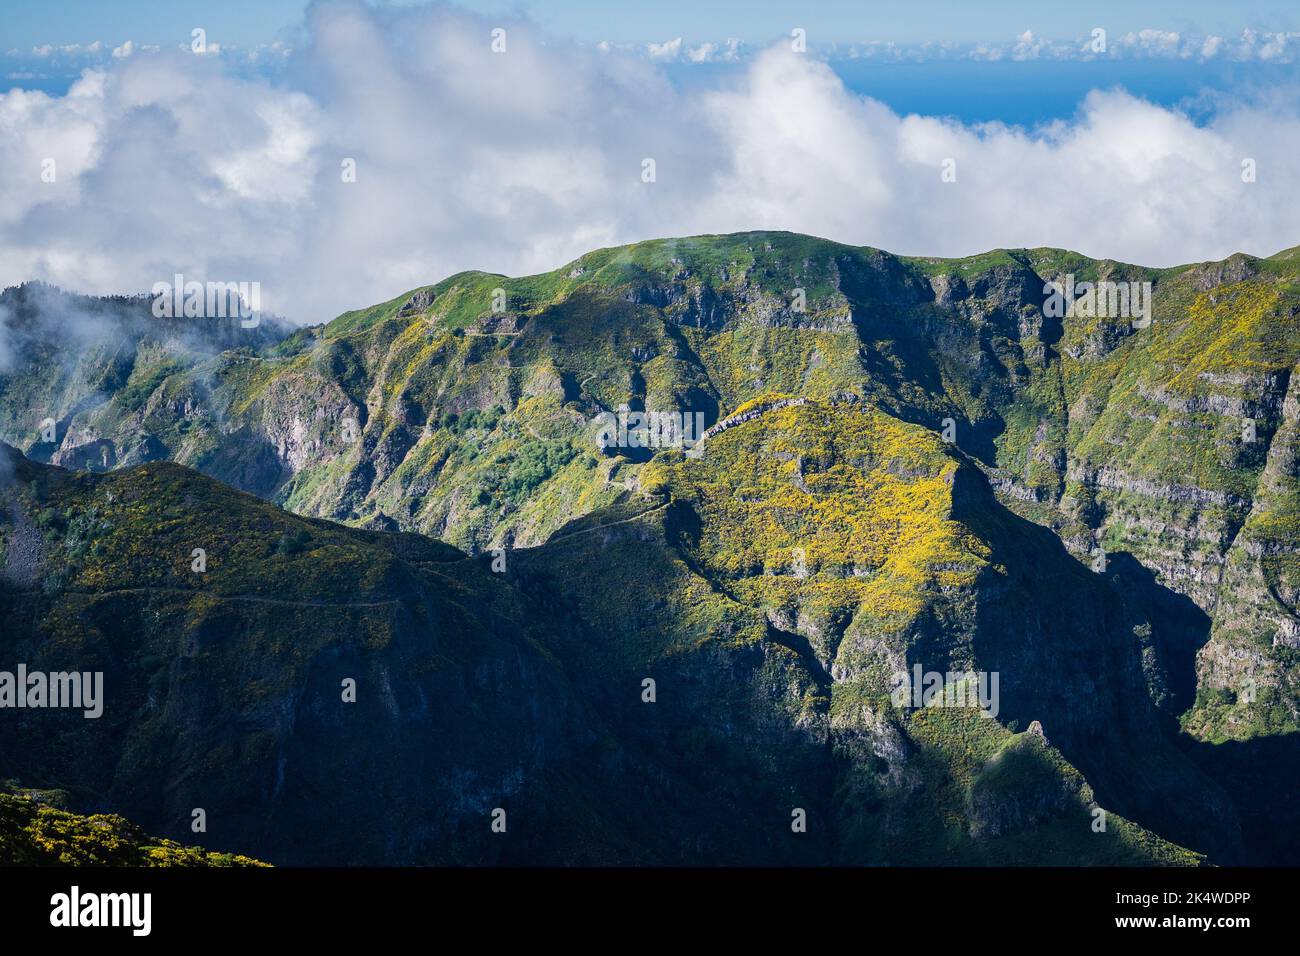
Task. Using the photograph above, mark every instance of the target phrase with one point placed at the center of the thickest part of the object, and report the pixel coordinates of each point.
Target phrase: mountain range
(562, 649)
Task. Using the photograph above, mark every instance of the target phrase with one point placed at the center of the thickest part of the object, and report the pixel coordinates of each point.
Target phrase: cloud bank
(520, 160)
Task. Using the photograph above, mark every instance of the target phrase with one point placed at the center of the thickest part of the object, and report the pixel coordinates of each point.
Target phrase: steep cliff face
(1247, 673)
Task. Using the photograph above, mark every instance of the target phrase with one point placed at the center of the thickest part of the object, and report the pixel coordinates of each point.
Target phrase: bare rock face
(1235, 268)
(97, 454)
(949, 288)
(417, 304)
(503, 323)
(1036, 728)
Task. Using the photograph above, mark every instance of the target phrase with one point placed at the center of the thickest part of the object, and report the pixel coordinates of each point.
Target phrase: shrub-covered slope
(34, 831)
(816, 550)
(526, 691)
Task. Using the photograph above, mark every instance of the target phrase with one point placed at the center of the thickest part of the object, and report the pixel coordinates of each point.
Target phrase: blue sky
(1015, 89)
(34, 22)
(912, 21)
(30, 23)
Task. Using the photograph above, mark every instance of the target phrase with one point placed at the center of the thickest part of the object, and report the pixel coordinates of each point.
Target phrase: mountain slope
(860, 547)
(477, 691)
(226, 690)
(467, 411)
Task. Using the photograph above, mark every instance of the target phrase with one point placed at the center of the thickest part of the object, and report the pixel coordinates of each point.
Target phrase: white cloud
(728, 51)
(123, 51)
(1154, 43)
(703, 53)
(1028, 47)
(519, 162)
(668, 50)
(1275, 46)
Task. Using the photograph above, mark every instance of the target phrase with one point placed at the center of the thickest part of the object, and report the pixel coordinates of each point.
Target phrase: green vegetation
(810, 552)
(33, 833)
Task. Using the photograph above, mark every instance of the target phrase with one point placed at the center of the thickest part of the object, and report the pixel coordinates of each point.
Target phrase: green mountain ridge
(437, 414)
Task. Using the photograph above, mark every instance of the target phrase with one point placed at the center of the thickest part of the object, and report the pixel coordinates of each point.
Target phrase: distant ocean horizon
(1030, 93)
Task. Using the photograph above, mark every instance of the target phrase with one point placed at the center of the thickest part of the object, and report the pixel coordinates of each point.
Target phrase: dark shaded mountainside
(1110, 531)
